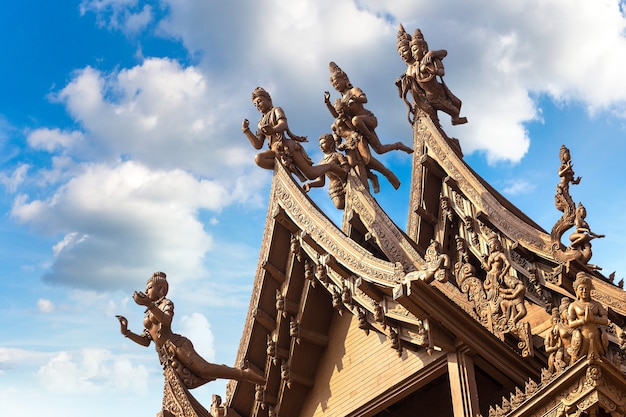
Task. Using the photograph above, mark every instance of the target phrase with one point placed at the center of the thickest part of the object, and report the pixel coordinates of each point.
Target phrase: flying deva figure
(183, 367)
(355, 125)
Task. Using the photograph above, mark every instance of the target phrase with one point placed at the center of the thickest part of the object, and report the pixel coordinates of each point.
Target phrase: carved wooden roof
(310, 269)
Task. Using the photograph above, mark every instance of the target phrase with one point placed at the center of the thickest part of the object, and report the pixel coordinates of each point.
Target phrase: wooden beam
(264, 319)
(463, 384)
(313, 337)
(274, 272)
(421, 297)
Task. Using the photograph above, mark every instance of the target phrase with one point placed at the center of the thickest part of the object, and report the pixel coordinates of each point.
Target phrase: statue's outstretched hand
(245, 125)
(123, 325)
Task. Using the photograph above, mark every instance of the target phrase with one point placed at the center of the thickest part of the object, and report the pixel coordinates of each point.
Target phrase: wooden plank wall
(357, 368)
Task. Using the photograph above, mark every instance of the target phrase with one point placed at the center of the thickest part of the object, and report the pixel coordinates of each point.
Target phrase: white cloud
(17, 177)
(197, 328)
(92, 370)
(12, 357)
(518, 187)
(159, 113)
(126, 16)
(500, 54)
(52, 139)
(122, 222)
(175, 124)
(45, 306)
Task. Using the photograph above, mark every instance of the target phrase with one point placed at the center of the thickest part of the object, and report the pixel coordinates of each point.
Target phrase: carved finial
(506, 406)
(346, 295)
(295, 247)
(363, 323)
(379, 313)
(321, 273)
(308, 272)
(395, 340)
(294, 328)
(337, 300)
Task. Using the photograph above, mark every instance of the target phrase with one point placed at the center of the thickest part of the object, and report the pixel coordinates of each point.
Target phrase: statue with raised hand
(183, 367)
(283, 144)
(363, 120)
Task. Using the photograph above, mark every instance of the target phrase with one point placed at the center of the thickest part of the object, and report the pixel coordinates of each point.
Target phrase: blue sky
(121, 153)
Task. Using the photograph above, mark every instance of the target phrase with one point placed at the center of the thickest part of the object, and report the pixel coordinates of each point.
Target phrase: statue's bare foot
(375, 184)
(459, 121)
(402, 147)
(252, 376)
(391, 177)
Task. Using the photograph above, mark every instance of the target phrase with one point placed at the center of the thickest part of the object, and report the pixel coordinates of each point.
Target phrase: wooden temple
(472, 310)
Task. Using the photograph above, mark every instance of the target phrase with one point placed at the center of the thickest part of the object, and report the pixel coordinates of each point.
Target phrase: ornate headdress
(159, 278)
(419, 41)
(336, 72)
(583, 278)
(564, 153)
(260, 92)
(404, 39)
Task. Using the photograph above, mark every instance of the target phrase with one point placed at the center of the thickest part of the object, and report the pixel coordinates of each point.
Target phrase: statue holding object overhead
(283, 144)
(183, 367)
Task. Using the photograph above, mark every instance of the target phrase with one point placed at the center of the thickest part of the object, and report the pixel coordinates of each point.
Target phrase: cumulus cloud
(125, 221)
(519, 186)
(52, 139)
(92, 370)
(160, 113)
(159, 129)
(502, 56)
(127, 16)
(12, 357)
(197, 328)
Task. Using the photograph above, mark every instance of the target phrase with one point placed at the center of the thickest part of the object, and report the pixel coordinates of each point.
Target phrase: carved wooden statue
(407, 83)
(512, 305)
(356, 125)
(424, 78)
(283, 144)
(351, 141)
(580, 246)
(497, 266)
(362, 119)
(554, 346)
(558, 341)
(437, 266)
(336, 189)
(588, 319)
(183, 367)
